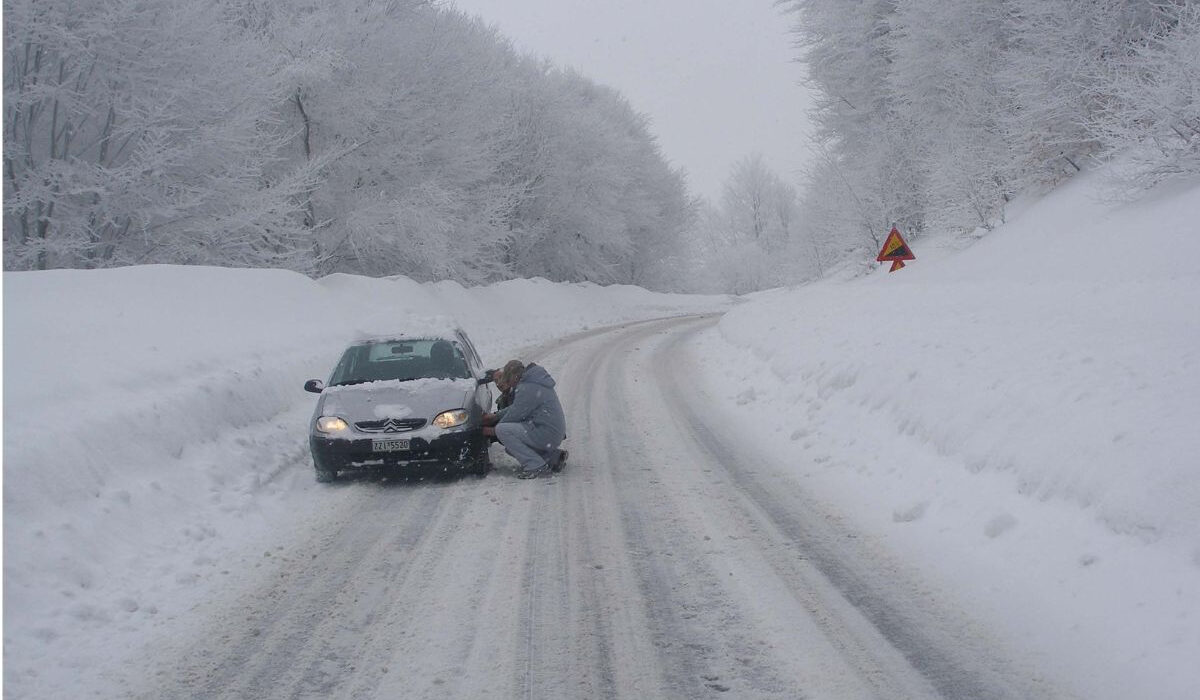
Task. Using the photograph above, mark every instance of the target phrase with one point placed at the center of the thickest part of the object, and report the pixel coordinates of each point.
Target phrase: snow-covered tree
(140, 132)
(760, 206)
(1152, 119)
(369, 136)
(946, 78)
(863, 132)
(933, 113)
(599, 193)
(750, 239)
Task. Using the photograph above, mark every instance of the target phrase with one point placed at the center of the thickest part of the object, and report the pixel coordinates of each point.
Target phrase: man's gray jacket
(536, 404)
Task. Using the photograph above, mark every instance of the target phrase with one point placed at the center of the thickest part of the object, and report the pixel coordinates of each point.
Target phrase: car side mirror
(315, 386)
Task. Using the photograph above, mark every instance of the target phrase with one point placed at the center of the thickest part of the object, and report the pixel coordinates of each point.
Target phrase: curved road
(665, 562)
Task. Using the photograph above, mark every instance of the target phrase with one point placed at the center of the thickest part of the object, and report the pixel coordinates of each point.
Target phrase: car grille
(391, 425)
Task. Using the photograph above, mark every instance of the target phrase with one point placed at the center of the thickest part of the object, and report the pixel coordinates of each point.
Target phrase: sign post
(895, 251)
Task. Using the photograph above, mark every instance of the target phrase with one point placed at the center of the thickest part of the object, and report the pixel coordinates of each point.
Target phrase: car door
(483, 392)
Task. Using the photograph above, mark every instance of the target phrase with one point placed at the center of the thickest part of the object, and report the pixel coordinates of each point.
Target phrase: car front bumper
(450, 449)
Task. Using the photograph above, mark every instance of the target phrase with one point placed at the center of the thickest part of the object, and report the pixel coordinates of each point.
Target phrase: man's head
(509, 375)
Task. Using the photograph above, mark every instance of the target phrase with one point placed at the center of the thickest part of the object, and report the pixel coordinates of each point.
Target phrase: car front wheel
(480, 463)
(326, 476)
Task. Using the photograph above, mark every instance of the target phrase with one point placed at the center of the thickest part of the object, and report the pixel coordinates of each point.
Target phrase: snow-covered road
(665, 562)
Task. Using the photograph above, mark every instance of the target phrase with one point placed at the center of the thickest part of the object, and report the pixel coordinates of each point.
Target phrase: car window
(432, 358)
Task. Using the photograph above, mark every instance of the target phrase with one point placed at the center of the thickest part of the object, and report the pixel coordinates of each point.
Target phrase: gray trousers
(517, 442)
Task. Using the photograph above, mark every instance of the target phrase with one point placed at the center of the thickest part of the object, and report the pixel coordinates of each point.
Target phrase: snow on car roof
(412, 328)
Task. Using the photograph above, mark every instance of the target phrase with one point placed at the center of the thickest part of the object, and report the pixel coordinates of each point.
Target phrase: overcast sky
(716, 77)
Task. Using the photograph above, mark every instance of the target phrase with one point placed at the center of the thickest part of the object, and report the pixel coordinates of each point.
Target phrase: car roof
(383, 339)
(414, 328)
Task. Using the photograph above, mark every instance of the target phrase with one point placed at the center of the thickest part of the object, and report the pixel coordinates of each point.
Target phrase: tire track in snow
(270, 644)
(659, 564)
(706, 644)
(568, 566)
(955, 658)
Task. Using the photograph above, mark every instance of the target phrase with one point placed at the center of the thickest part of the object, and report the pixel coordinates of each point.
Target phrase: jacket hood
(536, 374)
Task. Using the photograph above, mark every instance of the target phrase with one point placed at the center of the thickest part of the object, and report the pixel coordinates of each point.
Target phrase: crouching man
(533, 426)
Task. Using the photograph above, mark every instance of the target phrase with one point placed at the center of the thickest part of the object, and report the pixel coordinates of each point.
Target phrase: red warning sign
(895, 250)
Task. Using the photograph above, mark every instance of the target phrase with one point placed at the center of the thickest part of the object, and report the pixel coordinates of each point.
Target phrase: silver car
(412, 404)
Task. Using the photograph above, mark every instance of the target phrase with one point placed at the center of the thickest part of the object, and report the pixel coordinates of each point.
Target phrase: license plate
(389, 445)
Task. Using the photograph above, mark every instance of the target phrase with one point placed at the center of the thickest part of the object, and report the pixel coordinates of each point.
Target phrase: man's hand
(489, 431)
(490, 419)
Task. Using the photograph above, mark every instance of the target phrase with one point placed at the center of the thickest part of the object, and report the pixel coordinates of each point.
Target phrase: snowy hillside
(1018, 418)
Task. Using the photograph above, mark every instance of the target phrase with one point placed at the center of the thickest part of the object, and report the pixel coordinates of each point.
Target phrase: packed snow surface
(1015, 417)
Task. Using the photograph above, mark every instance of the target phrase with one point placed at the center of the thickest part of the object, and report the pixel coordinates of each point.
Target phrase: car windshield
(432, 358)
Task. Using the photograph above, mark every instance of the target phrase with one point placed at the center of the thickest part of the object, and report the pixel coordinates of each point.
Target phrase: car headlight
(331, 424)
(449, 419)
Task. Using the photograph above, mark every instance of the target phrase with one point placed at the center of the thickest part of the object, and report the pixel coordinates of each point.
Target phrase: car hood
(417, 398)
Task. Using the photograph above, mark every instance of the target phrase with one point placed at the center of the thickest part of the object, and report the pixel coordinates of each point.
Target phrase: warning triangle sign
(895, 250)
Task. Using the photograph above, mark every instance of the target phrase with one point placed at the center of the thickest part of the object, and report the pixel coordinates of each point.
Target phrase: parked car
(414, 404)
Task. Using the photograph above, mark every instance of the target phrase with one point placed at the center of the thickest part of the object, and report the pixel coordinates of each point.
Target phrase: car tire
(480, 464)
(326, 477)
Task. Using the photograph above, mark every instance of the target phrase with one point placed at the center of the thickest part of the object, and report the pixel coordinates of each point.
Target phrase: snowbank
(154, 418)
(112, 370)
(1019, 417)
